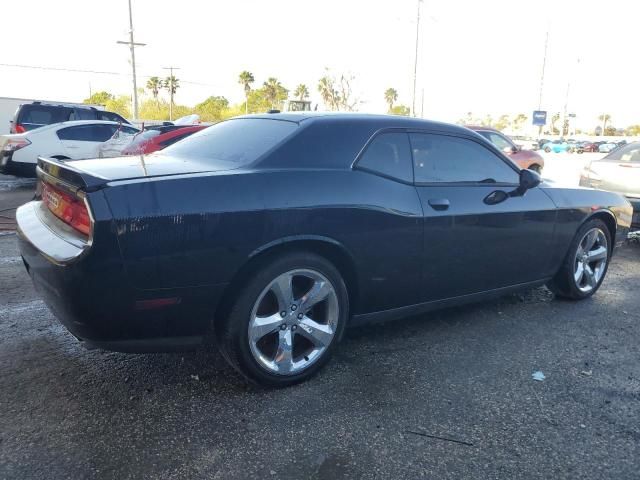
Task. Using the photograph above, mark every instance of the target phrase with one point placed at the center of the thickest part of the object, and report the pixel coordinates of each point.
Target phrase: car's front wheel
(586, 263)
(286, 321)
(547, 149)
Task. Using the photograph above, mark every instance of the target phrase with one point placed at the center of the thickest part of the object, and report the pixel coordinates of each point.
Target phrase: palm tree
(604, 118)
(390, 96)
(301, 92)
(171, 85)
(154, 84)
(246, 79)
(272, 88)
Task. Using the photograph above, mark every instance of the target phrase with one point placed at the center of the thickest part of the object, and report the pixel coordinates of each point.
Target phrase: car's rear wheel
(286, 321)
(586, 263)
(547, 149)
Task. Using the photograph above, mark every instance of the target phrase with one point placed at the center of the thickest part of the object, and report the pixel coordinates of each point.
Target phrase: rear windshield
(43, 114)
(235, 143)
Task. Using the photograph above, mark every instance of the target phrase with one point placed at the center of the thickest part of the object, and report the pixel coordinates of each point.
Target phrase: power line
(97, 72)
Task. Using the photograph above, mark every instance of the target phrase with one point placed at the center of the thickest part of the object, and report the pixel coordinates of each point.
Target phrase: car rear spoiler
(73, 178)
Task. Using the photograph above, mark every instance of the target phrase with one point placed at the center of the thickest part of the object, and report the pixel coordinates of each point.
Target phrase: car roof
(481, 127)
(73, 123)
(376, 120)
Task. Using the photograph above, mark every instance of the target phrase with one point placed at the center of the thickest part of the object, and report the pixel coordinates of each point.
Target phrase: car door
(81, 141)
(472, 246)
(389, 221)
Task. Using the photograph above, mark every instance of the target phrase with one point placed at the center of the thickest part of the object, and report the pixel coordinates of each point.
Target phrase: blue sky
(484, 57)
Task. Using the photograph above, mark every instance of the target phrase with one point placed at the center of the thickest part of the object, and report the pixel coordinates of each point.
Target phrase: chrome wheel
(293, 322)
(591, 260)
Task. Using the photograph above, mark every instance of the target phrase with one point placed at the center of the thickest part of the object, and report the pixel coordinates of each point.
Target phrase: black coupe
(269, 234)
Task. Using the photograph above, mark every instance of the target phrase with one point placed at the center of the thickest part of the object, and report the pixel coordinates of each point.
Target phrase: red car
(157, 138)
(523, 158)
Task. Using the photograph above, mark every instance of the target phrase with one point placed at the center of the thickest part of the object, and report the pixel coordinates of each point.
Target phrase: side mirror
(528, 180)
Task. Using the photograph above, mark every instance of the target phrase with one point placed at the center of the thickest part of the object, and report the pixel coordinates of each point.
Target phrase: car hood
(141, 166)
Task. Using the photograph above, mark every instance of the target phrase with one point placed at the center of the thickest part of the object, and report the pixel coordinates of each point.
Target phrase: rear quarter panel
(199, 230)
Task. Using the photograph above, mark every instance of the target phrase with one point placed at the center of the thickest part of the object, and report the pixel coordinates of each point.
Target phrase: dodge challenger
(269, 234)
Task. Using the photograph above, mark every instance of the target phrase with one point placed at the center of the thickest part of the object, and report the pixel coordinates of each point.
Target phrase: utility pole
(415, 63)
(544, 64)
(171, 69)
(132, 47)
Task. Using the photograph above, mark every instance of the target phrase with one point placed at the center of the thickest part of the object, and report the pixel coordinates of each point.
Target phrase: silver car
(617, 172)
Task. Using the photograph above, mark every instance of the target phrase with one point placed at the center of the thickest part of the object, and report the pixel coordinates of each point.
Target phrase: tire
(547, 149)
(569, 282)
(536, 168)
(276, 351)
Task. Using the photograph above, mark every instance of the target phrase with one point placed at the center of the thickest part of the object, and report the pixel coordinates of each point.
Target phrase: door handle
(439, 203)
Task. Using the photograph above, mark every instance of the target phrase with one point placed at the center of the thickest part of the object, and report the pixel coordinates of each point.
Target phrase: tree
(212, 109)
(400, 110)
(154, 84)
(502, 123)
(487, 121)
(246, 79)
(633, 130)
(119, 105)
(171, 85)
(337, 93)
(519, 121)
(610, 131)
(301, 92)
(99, 98)
(274, 92)
(554, 119)
(604, 118)
(390, 96)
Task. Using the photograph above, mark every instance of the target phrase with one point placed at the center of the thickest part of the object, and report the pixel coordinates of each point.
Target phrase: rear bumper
(88, 291)
(20, 169)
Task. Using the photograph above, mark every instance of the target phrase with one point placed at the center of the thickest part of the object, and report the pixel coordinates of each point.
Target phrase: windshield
(628, 153)
(238, 142)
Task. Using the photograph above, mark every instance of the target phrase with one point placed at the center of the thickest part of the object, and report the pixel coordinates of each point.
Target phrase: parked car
(38, 114)
(156, 139)
(607, 147)
(557, 146)
(523, 158)
(271, 233)
(64, 141)
(525, 143)
(586, 147)
(618, 172)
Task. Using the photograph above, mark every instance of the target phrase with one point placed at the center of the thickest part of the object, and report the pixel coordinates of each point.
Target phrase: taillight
(71, 210)
(20, 129)
(14, 144)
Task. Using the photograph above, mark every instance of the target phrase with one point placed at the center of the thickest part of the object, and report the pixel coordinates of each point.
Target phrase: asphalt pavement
(445, 395)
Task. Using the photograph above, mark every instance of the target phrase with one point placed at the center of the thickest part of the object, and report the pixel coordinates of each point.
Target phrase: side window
(87, 133)
(442, 158)
(499, 141)
(112, 117)
(81, 133)
(390, 155)
(129, 130)
(102, 133)
(84, 114)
